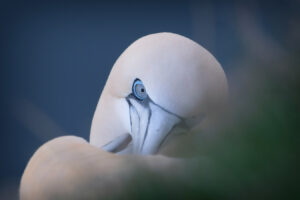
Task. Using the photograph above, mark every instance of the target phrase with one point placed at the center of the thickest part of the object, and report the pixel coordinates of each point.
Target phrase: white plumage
(181, 85)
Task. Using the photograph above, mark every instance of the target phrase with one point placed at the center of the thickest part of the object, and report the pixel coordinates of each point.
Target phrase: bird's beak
(150, 126)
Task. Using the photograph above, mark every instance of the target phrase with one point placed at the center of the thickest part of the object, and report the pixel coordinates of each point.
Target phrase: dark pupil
(142, 90)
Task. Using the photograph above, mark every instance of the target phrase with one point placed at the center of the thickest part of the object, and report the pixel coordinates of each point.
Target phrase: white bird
(160, 82)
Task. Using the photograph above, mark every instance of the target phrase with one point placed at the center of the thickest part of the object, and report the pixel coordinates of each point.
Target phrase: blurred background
(56, 55)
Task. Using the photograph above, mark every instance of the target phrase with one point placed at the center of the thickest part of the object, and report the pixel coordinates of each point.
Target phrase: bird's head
(161, 81)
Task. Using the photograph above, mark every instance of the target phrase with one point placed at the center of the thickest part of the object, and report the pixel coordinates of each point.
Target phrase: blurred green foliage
(252, 156)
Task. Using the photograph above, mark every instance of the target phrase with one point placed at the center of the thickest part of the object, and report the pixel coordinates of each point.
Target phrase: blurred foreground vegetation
(253, 154)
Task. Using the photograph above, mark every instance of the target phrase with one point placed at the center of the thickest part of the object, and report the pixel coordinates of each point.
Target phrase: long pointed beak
(150, 125)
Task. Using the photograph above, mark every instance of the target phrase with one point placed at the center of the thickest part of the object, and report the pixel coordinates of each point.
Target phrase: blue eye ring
(139, 90)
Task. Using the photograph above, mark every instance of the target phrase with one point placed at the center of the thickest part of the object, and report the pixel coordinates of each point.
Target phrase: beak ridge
(150, 125)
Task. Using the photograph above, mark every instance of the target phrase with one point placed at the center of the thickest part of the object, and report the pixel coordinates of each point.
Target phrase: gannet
(161, 82)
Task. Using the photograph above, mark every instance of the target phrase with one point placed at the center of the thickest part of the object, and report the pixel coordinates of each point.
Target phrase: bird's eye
(138, 90)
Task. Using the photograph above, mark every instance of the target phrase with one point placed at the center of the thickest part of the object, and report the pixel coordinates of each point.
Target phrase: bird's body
(160, 83)
(70, 168)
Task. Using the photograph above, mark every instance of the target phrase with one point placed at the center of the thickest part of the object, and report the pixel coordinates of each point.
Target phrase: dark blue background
(55, 58)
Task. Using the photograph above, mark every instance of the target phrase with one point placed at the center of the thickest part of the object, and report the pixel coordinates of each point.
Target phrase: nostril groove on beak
(118, 144)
